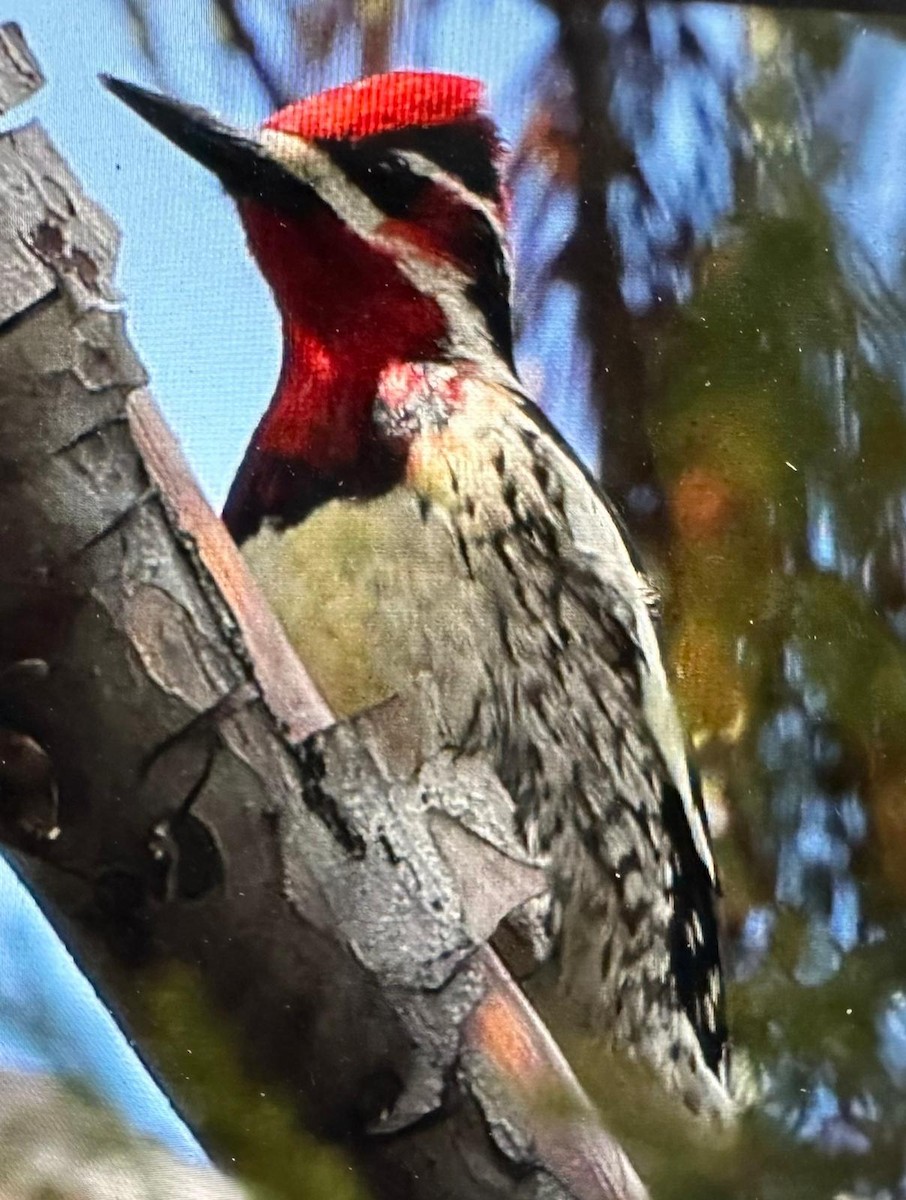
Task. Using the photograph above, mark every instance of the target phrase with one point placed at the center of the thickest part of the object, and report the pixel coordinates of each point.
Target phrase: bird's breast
(373, 592)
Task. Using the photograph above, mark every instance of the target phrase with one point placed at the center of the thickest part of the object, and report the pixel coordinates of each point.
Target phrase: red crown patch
(396, 100)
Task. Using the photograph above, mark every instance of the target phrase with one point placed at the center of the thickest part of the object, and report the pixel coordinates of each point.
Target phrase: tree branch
(619, 376)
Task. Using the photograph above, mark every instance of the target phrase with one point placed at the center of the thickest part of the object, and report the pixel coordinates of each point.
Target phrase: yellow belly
(371, 593)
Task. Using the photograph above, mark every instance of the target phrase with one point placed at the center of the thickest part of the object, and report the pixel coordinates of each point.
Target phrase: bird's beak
(236, 158)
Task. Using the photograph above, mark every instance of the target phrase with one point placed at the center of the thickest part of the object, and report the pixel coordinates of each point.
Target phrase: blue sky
(204, 325)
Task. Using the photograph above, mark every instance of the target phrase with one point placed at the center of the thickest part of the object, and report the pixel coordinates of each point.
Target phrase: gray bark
(173, 790)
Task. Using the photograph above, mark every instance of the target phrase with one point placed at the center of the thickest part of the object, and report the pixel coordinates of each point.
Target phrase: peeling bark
(174, 792)
(20, 75)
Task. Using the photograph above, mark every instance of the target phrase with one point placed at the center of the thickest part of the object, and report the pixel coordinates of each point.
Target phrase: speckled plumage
(494, 566)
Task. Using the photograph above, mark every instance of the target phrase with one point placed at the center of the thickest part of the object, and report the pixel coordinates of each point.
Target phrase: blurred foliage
(770, 395)
(247, 1122)
(779, 434)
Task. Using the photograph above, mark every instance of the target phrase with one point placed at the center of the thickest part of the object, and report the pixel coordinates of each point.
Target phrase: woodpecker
(409, 510)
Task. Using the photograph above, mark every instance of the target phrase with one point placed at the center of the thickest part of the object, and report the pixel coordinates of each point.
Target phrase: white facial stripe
(314, 167)
(439, 281)
(430, 170)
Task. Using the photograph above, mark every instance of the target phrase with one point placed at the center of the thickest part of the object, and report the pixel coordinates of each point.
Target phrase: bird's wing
(603, 541)
(601, 562)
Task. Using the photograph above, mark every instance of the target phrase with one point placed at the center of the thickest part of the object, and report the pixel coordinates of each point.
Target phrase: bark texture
(174, 791)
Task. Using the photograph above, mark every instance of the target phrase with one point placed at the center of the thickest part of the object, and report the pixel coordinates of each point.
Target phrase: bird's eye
(386, 167)
(381, 173)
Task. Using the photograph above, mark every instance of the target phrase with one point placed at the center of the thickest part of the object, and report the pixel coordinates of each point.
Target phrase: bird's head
(377, 213)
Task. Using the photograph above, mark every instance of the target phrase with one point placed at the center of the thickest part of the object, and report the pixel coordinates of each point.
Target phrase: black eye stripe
(466, 152)
(388, 181)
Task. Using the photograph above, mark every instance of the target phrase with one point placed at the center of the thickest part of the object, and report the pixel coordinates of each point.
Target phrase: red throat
(347, 313)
